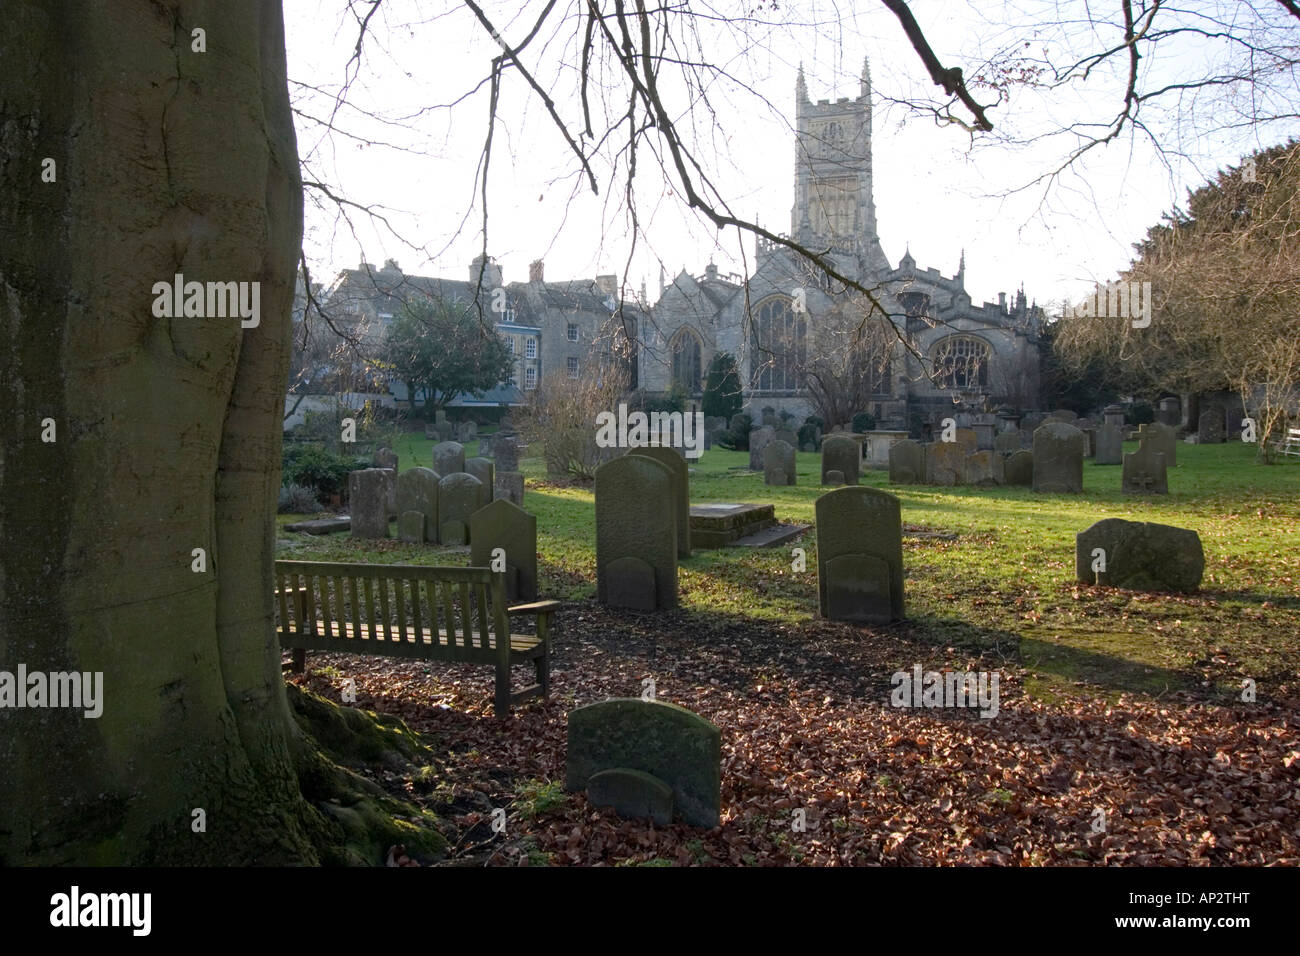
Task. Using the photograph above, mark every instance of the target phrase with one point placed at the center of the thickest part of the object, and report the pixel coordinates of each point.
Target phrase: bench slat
(399, 586)
(282, 581)
(356, 605)
(311, 600)
(415, 606)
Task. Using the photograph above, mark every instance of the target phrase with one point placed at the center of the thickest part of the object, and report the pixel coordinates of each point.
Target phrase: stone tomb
(646, 747)
(719, 524)
(778, 463)
(417, 493)
(448, 457)
(843, 455)
(368, 491)
(459, 496)
(1058, 458)
(907, 462)
(860, 555)
(1144, 471)
(636, 534)
(1140, 556)
(501, 524)
(671, 459)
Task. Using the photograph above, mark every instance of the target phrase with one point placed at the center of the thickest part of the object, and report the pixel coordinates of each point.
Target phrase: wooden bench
(405, 610)
(1289, 445)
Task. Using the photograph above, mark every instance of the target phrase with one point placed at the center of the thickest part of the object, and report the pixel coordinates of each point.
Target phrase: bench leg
(502, 700)
(299, 660)
(542, 665)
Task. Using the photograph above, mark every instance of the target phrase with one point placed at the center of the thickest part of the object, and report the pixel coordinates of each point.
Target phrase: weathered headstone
(444, 431)
(391, 500)
(1170, 412)
(411, 527)
(448, 457)
(834, 478)
(368, 502)
(1110, 445)
(1210, 428)
(968, 439)
(1164, 438)
(860, 555)
(384, 458)
(1019, 468)
(1089, 440)
(667, 742)
(1113, 415)
(417, 490)
(636, 534)
(758, 440)
(788, 436)
(513, 530)
(778, 463)
(1144, 472)
(483, 470)
(843, 455)
(1140, 556)
(985, 435)
(985, 468)
(1064, 415)
(945, 463)
(509, 486)
(505, 452)
(907, 462)
(459, 496)
(1007, 442)
(1058, 458)
(681, 476)
(769, 418)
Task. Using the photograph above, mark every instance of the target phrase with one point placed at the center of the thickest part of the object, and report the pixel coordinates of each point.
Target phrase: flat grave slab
(321, 525)
(771, 537)
(719, 524)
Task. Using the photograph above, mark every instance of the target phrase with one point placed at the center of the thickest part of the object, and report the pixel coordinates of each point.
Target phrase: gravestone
(444, 431)
(391, 501)
(769, 418)
(968, 439)
(1019, 468)
(1089, 440)
(636, 534)
(483, 470)
(368, 502)
(384, 458)
(511, 528)
(1110, 445)
(834, 478)
(985, 468)
(459, 496)
(468, 432)
(985, 436)
(417, 490)
(1164, 438)
(505, 453)
(1113, 415)
(669, 743)
(1064, 415)
(860, 555)
(907, 462)
(788, 436)
(1210, 429)
(412, 527)
(945, 463)
(677, 468)
(778, 463)
(1058, 458)
(1144, 472)
(758, 440)
(509, 486)
(448, 457)
(1007, 442)
(485, 449)
(843, 455)
(1170, 412)
(1140, 556)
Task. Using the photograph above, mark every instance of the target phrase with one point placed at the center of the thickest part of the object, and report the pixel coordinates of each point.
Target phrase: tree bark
(168, 431)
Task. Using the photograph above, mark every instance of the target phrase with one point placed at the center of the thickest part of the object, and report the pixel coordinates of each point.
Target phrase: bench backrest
(394, 604)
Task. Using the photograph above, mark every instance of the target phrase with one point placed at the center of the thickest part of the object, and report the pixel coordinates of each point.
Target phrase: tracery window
(780, 345)
(961, 361)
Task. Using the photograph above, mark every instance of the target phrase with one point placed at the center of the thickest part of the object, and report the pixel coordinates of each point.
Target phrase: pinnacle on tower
(866, 78)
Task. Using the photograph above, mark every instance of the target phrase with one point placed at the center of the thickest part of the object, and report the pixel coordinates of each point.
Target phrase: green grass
(1006, 581)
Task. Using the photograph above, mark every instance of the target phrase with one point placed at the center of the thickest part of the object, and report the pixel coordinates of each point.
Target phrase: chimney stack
(536, 271)
(1002, 301)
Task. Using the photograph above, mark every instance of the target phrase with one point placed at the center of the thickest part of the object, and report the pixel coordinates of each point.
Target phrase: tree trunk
(168, 431)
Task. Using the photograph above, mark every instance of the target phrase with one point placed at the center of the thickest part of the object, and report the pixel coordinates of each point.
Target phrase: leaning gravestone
(778, 463)
(1210, 429)
(1164, 440)
(1144, 472)
(513, 530)
(636, 534)
(668, 743)
(1058, 458)
(509, 485)
(843, 455)
(681, 476)
(483, 470)
(906, 462)
(945, 463)
(417, 491)
(1140, 556)
(459, 496)
(1007, 442)
(448, 457)
(758, 440)
(860, 555)
(985, 468)
(1019, 469)
(384, 458)
(1110, 445)
(368, 502)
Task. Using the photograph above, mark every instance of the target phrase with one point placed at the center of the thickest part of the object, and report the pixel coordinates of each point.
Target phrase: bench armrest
(537, 607)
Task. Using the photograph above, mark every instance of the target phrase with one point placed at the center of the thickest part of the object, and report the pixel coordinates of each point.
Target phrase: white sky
(935, 189)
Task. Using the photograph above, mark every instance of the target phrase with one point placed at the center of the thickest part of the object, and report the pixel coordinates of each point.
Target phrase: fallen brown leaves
(808, 735)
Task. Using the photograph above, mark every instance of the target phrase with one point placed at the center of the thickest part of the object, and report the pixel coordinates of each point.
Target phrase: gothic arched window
(961, 361)
(686, 350)
(779, 339)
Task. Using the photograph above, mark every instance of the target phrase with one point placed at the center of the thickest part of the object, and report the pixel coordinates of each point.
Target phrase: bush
(560, 419)
(815, 421)
(1140, 413)
(863, 422)
(298, 500)
(722, 394)
(741, 424)
(321, 471)
(807, 435)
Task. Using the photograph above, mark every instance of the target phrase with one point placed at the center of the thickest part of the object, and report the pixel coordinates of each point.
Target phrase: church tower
(833, 202)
